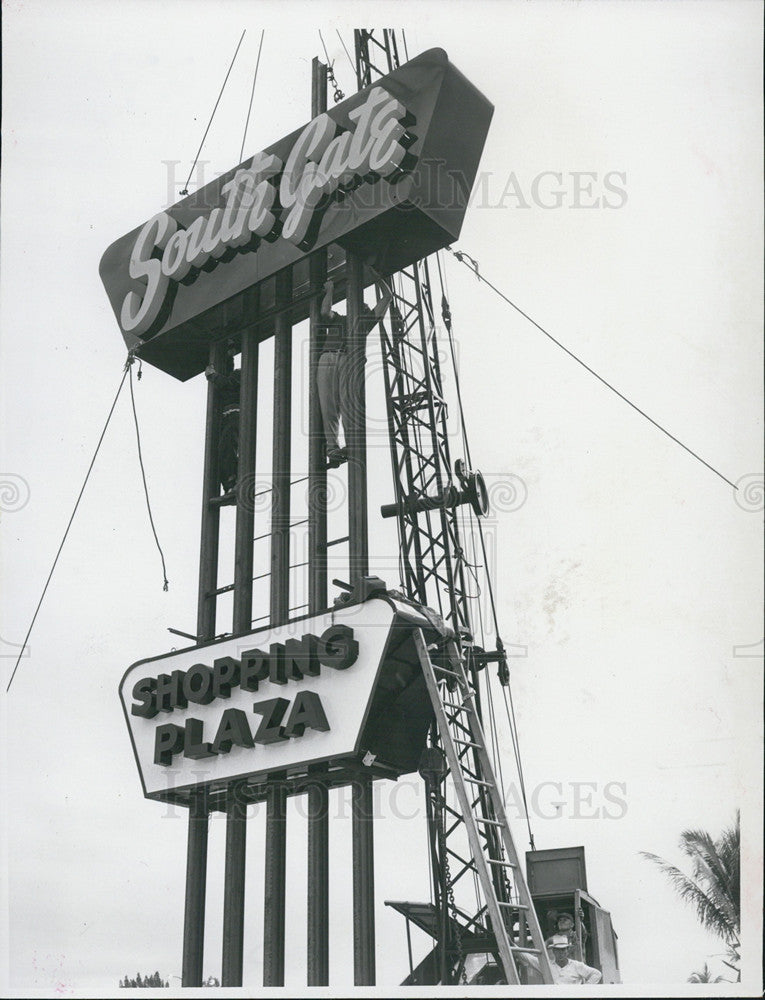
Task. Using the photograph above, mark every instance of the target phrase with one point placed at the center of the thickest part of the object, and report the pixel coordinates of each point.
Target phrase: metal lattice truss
(433, 566)
(477, 870)
(374, 58)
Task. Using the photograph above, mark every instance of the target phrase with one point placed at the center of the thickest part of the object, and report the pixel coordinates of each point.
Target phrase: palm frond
(710, 915)
(711, 873)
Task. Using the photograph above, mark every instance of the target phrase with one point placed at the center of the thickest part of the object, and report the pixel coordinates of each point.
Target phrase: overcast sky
(630, 572)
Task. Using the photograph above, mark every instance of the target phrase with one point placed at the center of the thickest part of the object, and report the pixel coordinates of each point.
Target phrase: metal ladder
(494, 858)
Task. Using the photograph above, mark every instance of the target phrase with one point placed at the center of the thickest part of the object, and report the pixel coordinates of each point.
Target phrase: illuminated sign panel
(269, 701)
(385, 174)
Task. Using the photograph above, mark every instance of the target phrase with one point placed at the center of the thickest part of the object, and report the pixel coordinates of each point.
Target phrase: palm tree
(705, 976)
(713, 885)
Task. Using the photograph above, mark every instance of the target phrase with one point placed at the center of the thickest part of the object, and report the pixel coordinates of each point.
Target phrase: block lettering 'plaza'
(201, 684)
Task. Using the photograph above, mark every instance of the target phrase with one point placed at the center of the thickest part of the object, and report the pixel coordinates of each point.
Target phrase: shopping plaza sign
(386, 174)
(325, 688)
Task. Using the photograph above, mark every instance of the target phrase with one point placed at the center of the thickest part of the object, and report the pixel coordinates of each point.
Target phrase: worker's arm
(381, 307)
(326, 302)
(369, 318)
(592, 976)
(232, 380)
(525, 959)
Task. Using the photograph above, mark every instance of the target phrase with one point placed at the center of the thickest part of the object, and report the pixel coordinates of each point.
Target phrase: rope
(463, 258)
(252, 94)
(69, 525)
(196, 158)
(129, 363)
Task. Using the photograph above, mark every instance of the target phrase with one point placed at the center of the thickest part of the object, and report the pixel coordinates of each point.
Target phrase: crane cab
(557, 881)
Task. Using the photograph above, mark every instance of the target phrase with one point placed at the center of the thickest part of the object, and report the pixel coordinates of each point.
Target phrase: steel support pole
(363, 884)
(318, 885)
(355, 418)
(317, 461)
(275, 885)
(196, 879)
(317, 937)
(280, 497)
(245, 507)
(233, 888)
(208, 548)
(196, 851)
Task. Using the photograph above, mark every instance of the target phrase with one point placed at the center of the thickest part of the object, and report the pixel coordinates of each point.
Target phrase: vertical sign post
(317, 930)
(275, 874)
(363, 883)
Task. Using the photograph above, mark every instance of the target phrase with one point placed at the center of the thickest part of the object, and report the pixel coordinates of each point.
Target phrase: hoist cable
(196, 158)
(326, 54)
(353, 68)
(461, 255)
(252, 95)
(143, 474)
(507, 694)
(465, 441)
(337, 92)
(69, 525)
(510, 711)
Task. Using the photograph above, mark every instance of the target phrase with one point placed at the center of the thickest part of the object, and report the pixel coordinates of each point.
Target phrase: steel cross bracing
(476, 839)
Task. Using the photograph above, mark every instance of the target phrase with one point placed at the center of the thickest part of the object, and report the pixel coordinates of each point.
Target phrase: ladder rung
(230, 586)
(286, 527)
(453, 715)
(226, 500)
(443, 670)
(491, 822)
(338, 541)
(513, 906)
(502, 864)
(462, 707)
(526, 951)
(466, 743)
(478, 781)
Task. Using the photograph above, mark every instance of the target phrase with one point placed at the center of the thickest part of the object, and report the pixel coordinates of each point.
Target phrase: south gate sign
(320, 163)
(385, 174)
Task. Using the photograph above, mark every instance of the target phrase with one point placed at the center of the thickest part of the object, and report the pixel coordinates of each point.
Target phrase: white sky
(630, 573)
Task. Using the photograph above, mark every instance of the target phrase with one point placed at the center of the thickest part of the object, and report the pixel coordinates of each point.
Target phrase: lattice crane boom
(434, 575)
